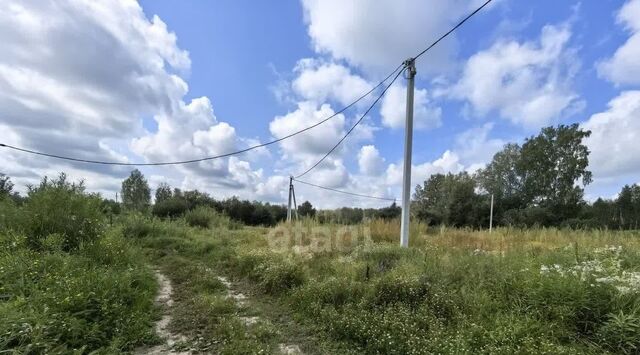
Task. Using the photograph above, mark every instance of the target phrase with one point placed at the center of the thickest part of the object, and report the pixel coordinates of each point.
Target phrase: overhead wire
(396, 71)
(414, 58)
(352, 127)
(452, 29)
(345, 192)
(180, 162)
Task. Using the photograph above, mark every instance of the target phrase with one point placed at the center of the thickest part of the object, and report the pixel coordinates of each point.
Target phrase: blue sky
(161, 80)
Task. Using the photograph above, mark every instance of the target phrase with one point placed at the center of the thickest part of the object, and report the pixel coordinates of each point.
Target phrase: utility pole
(290, 194)
(295, 205)
(491, 215)
(410, 65)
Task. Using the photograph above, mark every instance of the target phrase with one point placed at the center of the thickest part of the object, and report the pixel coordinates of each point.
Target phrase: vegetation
(66, 285)
(72, 283)
(76, 270)
(136, 194)
(455, 291)
(540, 183)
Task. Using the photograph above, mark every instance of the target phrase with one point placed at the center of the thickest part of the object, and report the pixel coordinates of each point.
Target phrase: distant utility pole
(292, 197)
(491, 215)
(290, 194)
(410, 65)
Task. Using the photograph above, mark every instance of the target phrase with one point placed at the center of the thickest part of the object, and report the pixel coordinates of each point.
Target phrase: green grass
(454, 291)
(99, 298)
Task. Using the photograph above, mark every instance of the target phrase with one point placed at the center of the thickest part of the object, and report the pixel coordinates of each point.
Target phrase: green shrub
(621, 333)
(170, 208)
(8, 214)
(200, 216)
(391, 289)
(205, 217)
(98, 298)
(281, 276)
(60, 207)
(137, 226)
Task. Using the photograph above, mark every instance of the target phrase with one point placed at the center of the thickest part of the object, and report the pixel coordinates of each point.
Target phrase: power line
(354, 126)
(453, 29)
(345, 192)
(394, 79)
(24, 150)
(102, 162)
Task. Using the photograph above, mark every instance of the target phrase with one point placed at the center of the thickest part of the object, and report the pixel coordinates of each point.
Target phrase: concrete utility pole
(290, 194)
(408, 142)
(491, 215)
(295, 205)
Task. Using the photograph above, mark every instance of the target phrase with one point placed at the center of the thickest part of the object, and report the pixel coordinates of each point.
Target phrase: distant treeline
(538, 183)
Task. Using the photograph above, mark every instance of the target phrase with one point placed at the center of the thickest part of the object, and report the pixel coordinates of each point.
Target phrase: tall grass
(66, 284)
(466, 291)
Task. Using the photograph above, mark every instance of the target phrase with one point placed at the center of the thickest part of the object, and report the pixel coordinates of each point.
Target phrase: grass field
(327, 289)
(453, 291)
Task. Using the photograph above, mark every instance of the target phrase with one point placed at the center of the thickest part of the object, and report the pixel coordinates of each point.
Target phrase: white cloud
(475, 148)
(77, 78)
(381, 34)
(614, 138)
(449, 162)
(320, 81)
(369, 160)
(527, 83)
(274, 188)
(623, 68)
(313, 143)
(425, 114)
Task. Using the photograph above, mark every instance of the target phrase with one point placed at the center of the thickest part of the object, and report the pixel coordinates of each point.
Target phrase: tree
(136, 194)
(538, 182)
(390, 212)
(306, 209)
(449, 199)
(551, 165)
(163, 192)
(6, 186)
(628, 206)
(501, 179)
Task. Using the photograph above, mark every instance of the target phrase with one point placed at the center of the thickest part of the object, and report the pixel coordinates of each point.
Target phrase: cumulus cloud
(623, 68)
(476, 148)
(426, 114)
(380, 34)
(614, 138)
(369, 160)
(77, 78)
(449, 162)
(527, 83)
(313, 143)
(321, 81)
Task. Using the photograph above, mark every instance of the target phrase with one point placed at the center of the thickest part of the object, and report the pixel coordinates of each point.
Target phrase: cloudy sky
(163, 80)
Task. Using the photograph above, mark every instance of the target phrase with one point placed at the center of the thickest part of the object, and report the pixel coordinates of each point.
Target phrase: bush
(281, 276)
(205, 217)
(200, 217)
(99, 298)
(63, 208)
(8, 214)
(137, 227)
(171, 208)
(621, 333)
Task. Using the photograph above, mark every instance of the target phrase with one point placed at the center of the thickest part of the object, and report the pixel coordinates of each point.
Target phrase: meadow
(73, 283)
(453, 291)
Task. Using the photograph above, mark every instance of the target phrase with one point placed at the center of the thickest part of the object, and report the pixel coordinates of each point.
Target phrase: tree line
(538, 183)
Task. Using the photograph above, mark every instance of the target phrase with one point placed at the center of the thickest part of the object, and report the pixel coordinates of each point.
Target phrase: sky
(160, 80)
